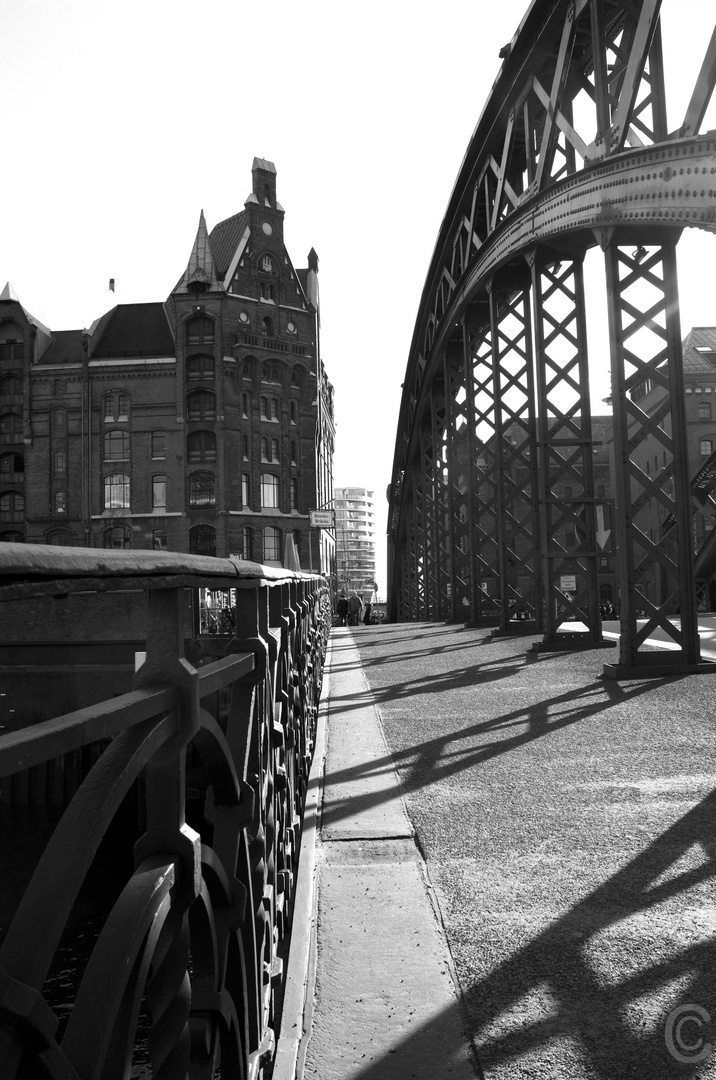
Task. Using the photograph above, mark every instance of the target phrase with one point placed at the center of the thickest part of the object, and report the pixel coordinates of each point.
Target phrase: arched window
(272, 544)
(269, 408)
(201, 447)
(59, 502)
(10, 428)
(293, 489)
(116, 407)
(12, 506)
(12, 465)
(11, 342)
(10, 386)
(704, 410)
(202, 489)
(202, 540)
(120, 536)
(59, 463)
(200, 368)
(116, 493)
(199, 330)
(267, 326)
(706, 448)
(200, 405)
(269, 491)
(60, 538)
(116, 445)
(246, 542)
(245, 491)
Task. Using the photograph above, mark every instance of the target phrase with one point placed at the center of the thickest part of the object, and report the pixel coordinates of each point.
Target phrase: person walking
(343, 610)
(366, 617)
(355, 604)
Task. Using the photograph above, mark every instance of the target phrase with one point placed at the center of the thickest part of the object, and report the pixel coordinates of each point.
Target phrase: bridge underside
(495, 514)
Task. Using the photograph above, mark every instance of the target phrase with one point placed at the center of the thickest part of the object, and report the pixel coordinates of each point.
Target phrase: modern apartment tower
(355, 540)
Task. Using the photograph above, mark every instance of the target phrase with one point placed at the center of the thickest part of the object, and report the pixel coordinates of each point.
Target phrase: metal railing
(195, 938)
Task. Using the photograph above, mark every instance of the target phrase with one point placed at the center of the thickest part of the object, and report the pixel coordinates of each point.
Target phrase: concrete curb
(290, 1045)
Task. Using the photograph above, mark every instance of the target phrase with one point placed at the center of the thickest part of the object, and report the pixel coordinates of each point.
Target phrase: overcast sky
(124, 120)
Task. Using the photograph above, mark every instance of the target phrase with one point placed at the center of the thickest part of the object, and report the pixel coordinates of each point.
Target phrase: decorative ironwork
(199, 931)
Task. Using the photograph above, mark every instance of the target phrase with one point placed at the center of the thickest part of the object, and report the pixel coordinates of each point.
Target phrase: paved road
(569, 827)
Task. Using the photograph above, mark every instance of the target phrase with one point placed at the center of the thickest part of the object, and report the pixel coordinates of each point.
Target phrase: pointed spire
(200, 274)
(9, 293)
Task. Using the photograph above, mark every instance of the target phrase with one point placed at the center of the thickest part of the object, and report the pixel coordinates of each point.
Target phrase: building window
(119, 536)
(201, 447)
(245, 405)
(199, 331)
(12, 465)
(267, 326)
(706, 448)
(200, 367)
(159, 444)
(202, 540)
(704, 410)
(159, 540)
(12, 506)
(60, 538)
(294, 452)
(246, 542)
(200, 405)
(265, 449)
(293, 489)
(245, 491)
(274, 450)
(159, 493)
(293, 412)
(116, 493)
(601, 494)
(11, 349)
(202, 489)
(246, 447)
(122, 407)
(269, 491)
(116, 407)
(269, 408)
(59, 463)
(10, 386)
(59, 502)
(272, 544)
(10, 428)
(12, 537)
(116, 445)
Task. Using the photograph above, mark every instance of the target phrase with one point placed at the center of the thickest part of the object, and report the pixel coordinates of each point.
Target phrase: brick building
(203, 423)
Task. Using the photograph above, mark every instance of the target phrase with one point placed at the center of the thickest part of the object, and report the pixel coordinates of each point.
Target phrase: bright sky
(127, 119)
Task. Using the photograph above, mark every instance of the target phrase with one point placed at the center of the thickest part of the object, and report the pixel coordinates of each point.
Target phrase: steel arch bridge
(494, 453)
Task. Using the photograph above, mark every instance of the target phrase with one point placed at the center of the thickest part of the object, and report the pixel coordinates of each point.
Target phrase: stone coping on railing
(37, 569)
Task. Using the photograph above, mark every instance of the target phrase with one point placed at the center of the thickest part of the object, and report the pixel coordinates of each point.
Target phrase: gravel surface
(568, 822)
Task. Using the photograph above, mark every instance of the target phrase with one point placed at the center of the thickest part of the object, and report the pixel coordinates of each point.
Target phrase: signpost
(322, 519)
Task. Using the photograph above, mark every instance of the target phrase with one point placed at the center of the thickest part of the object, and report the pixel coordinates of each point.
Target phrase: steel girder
(572, 150)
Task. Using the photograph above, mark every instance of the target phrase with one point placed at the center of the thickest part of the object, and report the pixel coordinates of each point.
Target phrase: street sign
(322, 519)
(568, 583)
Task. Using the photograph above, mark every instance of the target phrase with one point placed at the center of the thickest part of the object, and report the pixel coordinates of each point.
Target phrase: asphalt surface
(568, 824)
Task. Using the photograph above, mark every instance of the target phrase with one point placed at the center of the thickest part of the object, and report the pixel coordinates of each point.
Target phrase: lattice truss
(643, 282)
(441, 501)
(459, 486)
(517, 500)
(483, 506)
(568, 522)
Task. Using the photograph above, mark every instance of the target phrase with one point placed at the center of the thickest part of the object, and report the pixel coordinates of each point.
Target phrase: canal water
(24, 832)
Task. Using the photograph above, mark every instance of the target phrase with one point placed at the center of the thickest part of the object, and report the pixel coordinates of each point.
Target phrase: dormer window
(199, 331)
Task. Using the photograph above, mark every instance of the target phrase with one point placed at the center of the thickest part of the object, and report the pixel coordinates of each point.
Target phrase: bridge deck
(568, 825)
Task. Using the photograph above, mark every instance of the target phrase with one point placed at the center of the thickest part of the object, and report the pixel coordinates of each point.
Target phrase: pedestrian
(355, 604)
(366, 617)
(343, 610)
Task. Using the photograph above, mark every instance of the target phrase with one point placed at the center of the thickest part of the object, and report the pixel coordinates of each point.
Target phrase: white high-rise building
(355, 541)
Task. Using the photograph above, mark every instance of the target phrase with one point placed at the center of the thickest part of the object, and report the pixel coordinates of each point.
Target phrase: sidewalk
(371, 992)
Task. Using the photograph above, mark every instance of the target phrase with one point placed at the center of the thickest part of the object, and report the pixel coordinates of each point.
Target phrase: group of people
(352, 611)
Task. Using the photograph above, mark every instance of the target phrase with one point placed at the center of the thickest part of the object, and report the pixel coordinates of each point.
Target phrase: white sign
(568, 583)
(323, 519)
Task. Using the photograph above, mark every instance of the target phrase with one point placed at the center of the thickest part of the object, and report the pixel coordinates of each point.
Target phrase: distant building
(203, 423)
(355, 540)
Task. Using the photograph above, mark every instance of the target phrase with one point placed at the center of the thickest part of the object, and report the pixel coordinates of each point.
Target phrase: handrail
(199, 932)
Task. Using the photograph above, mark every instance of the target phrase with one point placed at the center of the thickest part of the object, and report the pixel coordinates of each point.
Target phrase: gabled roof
(700, 351)
(224, 239)
(66, 345)
(135, 330)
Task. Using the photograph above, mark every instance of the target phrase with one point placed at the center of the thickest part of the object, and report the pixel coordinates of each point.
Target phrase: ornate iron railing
(195, 938)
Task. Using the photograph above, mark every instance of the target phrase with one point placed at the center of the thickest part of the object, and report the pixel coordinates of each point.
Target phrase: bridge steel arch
(571, 151)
